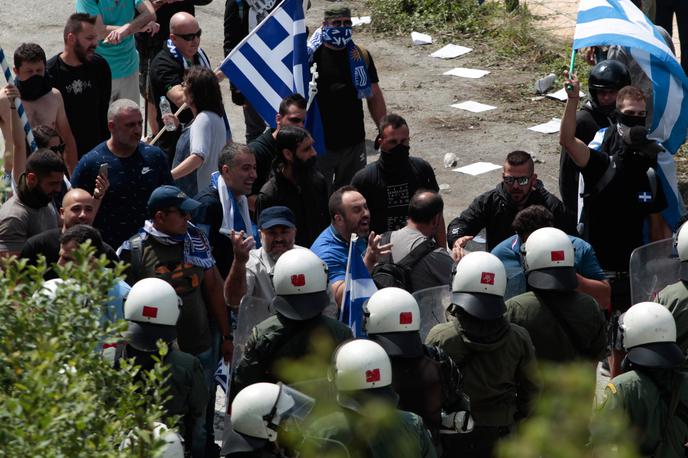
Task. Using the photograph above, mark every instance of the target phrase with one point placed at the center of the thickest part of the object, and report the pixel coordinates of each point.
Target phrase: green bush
(58, 396)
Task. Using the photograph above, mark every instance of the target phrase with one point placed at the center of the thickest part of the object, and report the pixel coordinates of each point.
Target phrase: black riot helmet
(608, 74)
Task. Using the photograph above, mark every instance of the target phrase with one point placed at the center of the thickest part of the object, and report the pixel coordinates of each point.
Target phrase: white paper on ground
(360, 20)
(477, 168)
(451, 51)
(561, 95)
(466, 72)
(475, 107)
(549, 127)
(421, 38)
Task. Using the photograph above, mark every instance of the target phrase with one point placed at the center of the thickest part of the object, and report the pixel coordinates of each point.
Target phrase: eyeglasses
(188, 36)
(341, 23)
(522, 181)
(58, 149)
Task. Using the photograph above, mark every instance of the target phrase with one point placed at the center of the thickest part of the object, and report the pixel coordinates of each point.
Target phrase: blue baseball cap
(276, 216)
(171, 196)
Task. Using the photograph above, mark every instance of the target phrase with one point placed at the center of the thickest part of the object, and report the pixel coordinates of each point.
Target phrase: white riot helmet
(682, 248)
(258, 410)
(152, 309)
(392, 319)
(300, 280)
(648, 333)
(548, 260)
(174, 444)
(479, 284)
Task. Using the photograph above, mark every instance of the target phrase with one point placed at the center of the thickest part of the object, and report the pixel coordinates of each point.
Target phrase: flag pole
(162, 128)
(569, 86)
(347, 276)
(17, 102)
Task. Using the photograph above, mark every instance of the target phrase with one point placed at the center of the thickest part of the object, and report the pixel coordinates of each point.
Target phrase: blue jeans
(203, 432)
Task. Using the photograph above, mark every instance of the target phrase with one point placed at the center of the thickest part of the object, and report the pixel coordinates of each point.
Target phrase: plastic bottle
(166, 109)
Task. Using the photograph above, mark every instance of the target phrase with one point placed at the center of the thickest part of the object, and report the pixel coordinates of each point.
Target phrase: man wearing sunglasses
(181, 51)
(495, 210)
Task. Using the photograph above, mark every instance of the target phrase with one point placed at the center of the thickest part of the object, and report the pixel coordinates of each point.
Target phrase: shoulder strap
(566, 327)
(365, 54)
(417, 253)
(652, 178)
(136, 245)
(605, 179)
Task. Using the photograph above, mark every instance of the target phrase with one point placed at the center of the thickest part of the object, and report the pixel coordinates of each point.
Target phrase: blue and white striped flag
(358, 287)
(272, 63)
(620, 22)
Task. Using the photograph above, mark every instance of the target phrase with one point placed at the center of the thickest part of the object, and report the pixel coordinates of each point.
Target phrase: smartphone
(103, 172)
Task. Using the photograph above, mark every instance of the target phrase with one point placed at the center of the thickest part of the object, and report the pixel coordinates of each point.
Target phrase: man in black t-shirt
(180, 52)
(389, 183)
(340, 94)
(620, 193)
(85, 80)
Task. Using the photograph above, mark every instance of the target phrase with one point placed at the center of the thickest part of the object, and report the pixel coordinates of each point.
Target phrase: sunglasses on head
(522, 181)
(59, 149)
(188, 36)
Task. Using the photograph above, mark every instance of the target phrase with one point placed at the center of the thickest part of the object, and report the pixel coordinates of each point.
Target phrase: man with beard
(619, 189)
(30, 211)
(252, 269)
(389, 183)
(349, 216)
(296, 184)
(42, 102)
(495, 210)
(84, 79)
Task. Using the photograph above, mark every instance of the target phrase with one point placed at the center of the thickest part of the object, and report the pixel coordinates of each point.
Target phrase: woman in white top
(208, 134)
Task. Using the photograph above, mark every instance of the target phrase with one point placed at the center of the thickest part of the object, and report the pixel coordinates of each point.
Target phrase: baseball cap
(171, 196)
(337, 11)
(276, 216)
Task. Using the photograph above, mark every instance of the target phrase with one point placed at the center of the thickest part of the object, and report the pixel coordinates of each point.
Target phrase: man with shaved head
(181, 51)
(78, 207)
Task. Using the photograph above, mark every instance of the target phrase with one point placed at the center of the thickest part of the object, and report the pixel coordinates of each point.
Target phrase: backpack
(387, 273)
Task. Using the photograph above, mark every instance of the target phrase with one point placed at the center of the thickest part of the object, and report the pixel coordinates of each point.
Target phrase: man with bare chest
(42, 102)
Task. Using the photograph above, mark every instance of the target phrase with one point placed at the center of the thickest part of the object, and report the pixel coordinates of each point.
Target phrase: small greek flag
(358, 287)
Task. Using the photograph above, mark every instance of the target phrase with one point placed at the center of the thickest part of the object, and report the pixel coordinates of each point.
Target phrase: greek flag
(619, 22)
(272, 63)
(358, 287)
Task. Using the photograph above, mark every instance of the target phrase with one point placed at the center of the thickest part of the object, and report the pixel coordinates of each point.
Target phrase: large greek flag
(358, 287)
(620, 22)
(272, 63)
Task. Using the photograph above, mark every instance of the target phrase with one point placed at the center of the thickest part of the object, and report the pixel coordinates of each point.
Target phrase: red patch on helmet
(150, 312)
(298, 280)
(405, 318)
(558, 255)
(373, 375)
(487, 278)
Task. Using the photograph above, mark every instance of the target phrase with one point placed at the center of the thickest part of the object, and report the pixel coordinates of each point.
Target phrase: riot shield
(252, 310)
(433, 303)
(651, 268)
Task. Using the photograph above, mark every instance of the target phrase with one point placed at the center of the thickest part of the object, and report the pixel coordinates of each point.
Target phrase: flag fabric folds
(272, 63)
(358, 287)
(620, 22)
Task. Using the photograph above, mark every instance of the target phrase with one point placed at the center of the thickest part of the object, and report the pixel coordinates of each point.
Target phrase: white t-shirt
(207, 138)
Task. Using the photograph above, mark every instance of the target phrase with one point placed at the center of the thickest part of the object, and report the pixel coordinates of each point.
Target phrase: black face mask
(629, 120)
(34, 88)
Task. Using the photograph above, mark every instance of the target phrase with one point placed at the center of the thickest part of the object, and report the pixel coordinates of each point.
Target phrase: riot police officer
(496, 357)
(675, 296)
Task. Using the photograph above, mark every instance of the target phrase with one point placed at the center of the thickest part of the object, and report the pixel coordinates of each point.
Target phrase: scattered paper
(451, 51)
(478, 168)
(466, 72)
(421, 38)
(356, 21)
(475, 107)
(549, 127)
(561, 95)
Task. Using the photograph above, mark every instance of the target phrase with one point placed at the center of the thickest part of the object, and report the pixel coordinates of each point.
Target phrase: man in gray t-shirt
(424, 221)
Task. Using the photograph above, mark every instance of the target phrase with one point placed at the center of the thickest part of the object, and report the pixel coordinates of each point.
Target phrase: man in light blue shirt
(591, 279)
